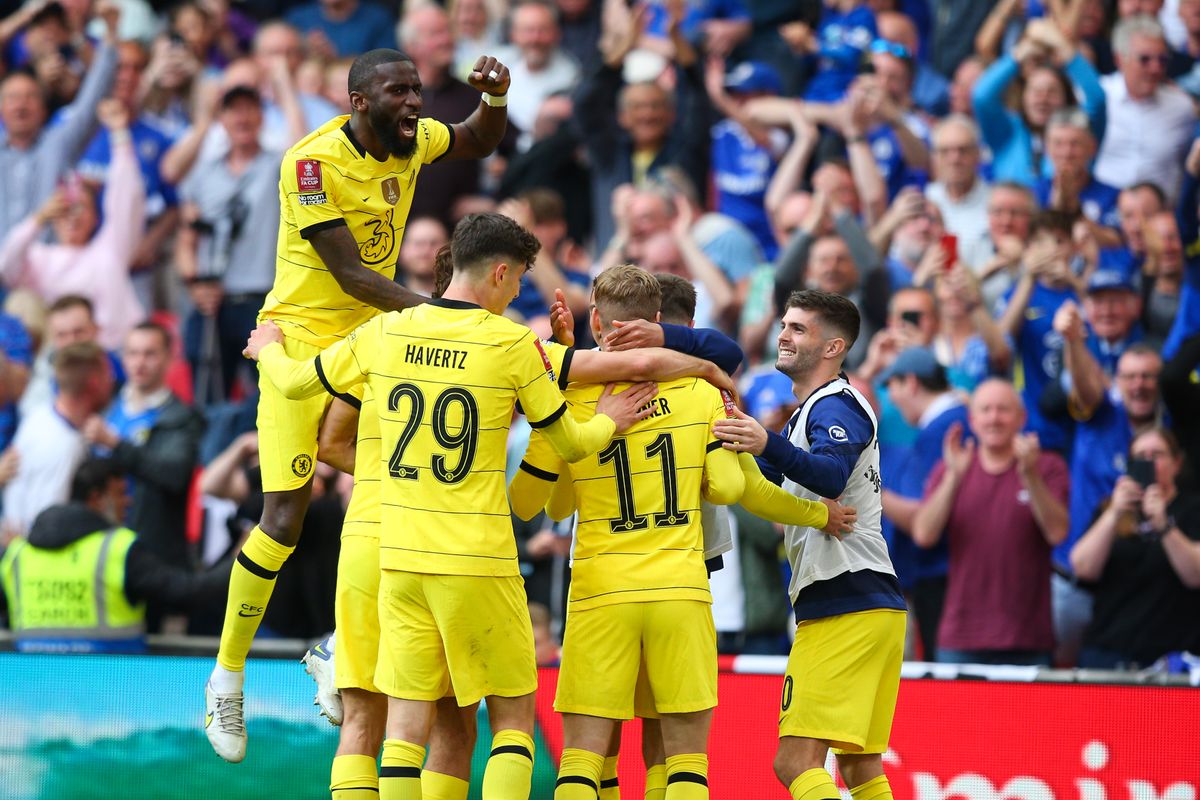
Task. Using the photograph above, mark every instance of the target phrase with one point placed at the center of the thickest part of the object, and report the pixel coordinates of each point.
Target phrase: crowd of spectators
(1008, 190)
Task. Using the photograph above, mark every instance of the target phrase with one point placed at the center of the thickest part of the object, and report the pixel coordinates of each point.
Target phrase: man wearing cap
(918, 387)
(226, 249)
(1111, 382)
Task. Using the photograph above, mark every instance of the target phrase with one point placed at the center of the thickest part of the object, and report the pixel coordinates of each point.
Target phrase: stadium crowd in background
(1009, 191)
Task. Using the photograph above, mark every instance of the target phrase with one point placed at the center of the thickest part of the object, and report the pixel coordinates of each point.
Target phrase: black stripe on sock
(256, 569)
(611, 783)
(400, 772)
(575, 779)
(515, 749)
(541, 474)
(690, 777)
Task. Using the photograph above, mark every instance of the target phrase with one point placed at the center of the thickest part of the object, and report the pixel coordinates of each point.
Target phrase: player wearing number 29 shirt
(345, 191)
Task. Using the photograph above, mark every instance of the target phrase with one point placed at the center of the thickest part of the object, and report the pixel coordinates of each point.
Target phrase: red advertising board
(966, 740)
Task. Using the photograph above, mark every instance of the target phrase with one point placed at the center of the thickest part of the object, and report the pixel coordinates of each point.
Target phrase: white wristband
(495, 101)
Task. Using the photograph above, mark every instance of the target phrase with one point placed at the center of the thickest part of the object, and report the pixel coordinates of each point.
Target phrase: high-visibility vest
(73, 598)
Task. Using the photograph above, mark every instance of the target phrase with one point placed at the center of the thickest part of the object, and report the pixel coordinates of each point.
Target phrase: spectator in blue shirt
(930, 89)
(1106, 425)
(155, 438)
(846, 30)
(744, 153)
(1015, 136)
(1026, 313)
(16, 348)
(150, 143)
(1112, 309)
(340, 28)
(918, 386)
(1070, 148)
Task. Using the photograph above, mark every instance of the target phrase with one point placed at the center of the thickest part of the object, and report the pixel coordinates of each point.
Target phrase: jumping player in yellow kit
(345, 191)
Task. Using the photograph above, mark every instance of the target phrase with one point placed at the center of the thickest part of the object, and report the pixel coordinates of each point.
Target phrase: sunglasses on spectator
(891, 48)
(1146, 60)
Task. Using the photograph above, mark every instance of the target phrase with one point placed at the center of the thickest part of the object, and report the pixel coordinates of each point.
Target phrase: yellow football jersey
(445, 378)
(362, 512)
(639, 537)
(328, 179)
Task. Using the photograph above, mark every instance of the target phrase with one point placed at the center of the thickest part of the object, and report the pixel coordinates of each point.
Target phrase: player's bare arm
(340, 252)
(479, 135)
(337, 442)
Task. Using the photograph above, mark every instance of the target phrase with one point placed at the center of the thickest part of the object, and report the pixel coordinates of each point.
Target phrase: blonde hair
(626, 292)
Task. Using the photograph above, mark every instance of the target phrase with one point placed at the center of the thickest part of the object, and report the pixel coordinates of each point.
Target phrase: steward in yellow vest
(80, 582)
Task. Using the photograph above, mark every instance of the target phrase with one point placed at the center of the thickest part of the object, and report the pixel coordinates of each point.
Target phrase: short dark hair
(835, 311)
(936, 383)
(94, 475)
(480, 239)
(678, 305)
(362, 71)
(156, 327)
(1153, 188)
(69, 301)
(1052, 220)
(237, 94)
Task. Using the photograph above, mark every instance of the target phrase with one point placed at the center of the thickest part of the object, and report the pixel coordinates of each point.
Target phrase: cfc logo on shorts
(302, 465)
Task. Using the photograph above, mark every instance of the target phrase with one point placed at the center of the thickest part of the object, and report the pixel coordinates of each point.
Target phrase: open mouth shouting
(408, 126)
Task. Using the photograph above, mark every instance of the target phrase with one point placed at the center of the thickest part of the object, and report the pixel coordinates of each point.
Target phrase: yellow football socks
(436, 786)
(250, 586)
(687, 777)
(400, 773)
(656, 782)
(354, 778)
(509, 771)
(578, 775)
(814, 784)
(610, 787)
(874, 789)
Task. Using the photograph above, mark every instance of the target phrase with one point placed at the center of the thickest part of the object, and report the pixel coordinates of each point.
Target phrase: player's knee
(786, 767)
(364, 721)
(283, 516)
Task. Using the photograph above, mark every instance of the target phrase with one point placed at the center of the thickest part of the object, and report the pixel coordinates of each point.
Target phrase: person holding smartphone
(1143, 555)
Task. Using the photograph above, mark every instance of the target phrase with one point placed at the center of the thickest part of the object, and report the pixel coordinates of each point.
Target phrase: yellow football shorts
(287, 429)
(843, 675)
(673, 642)
(356, 613)
(461, 633)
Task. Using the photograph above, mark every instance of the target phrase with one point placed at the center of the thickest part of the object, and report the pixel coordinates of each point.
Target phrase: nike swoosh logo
(208, 718)
(366, 199)
(319, 652)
